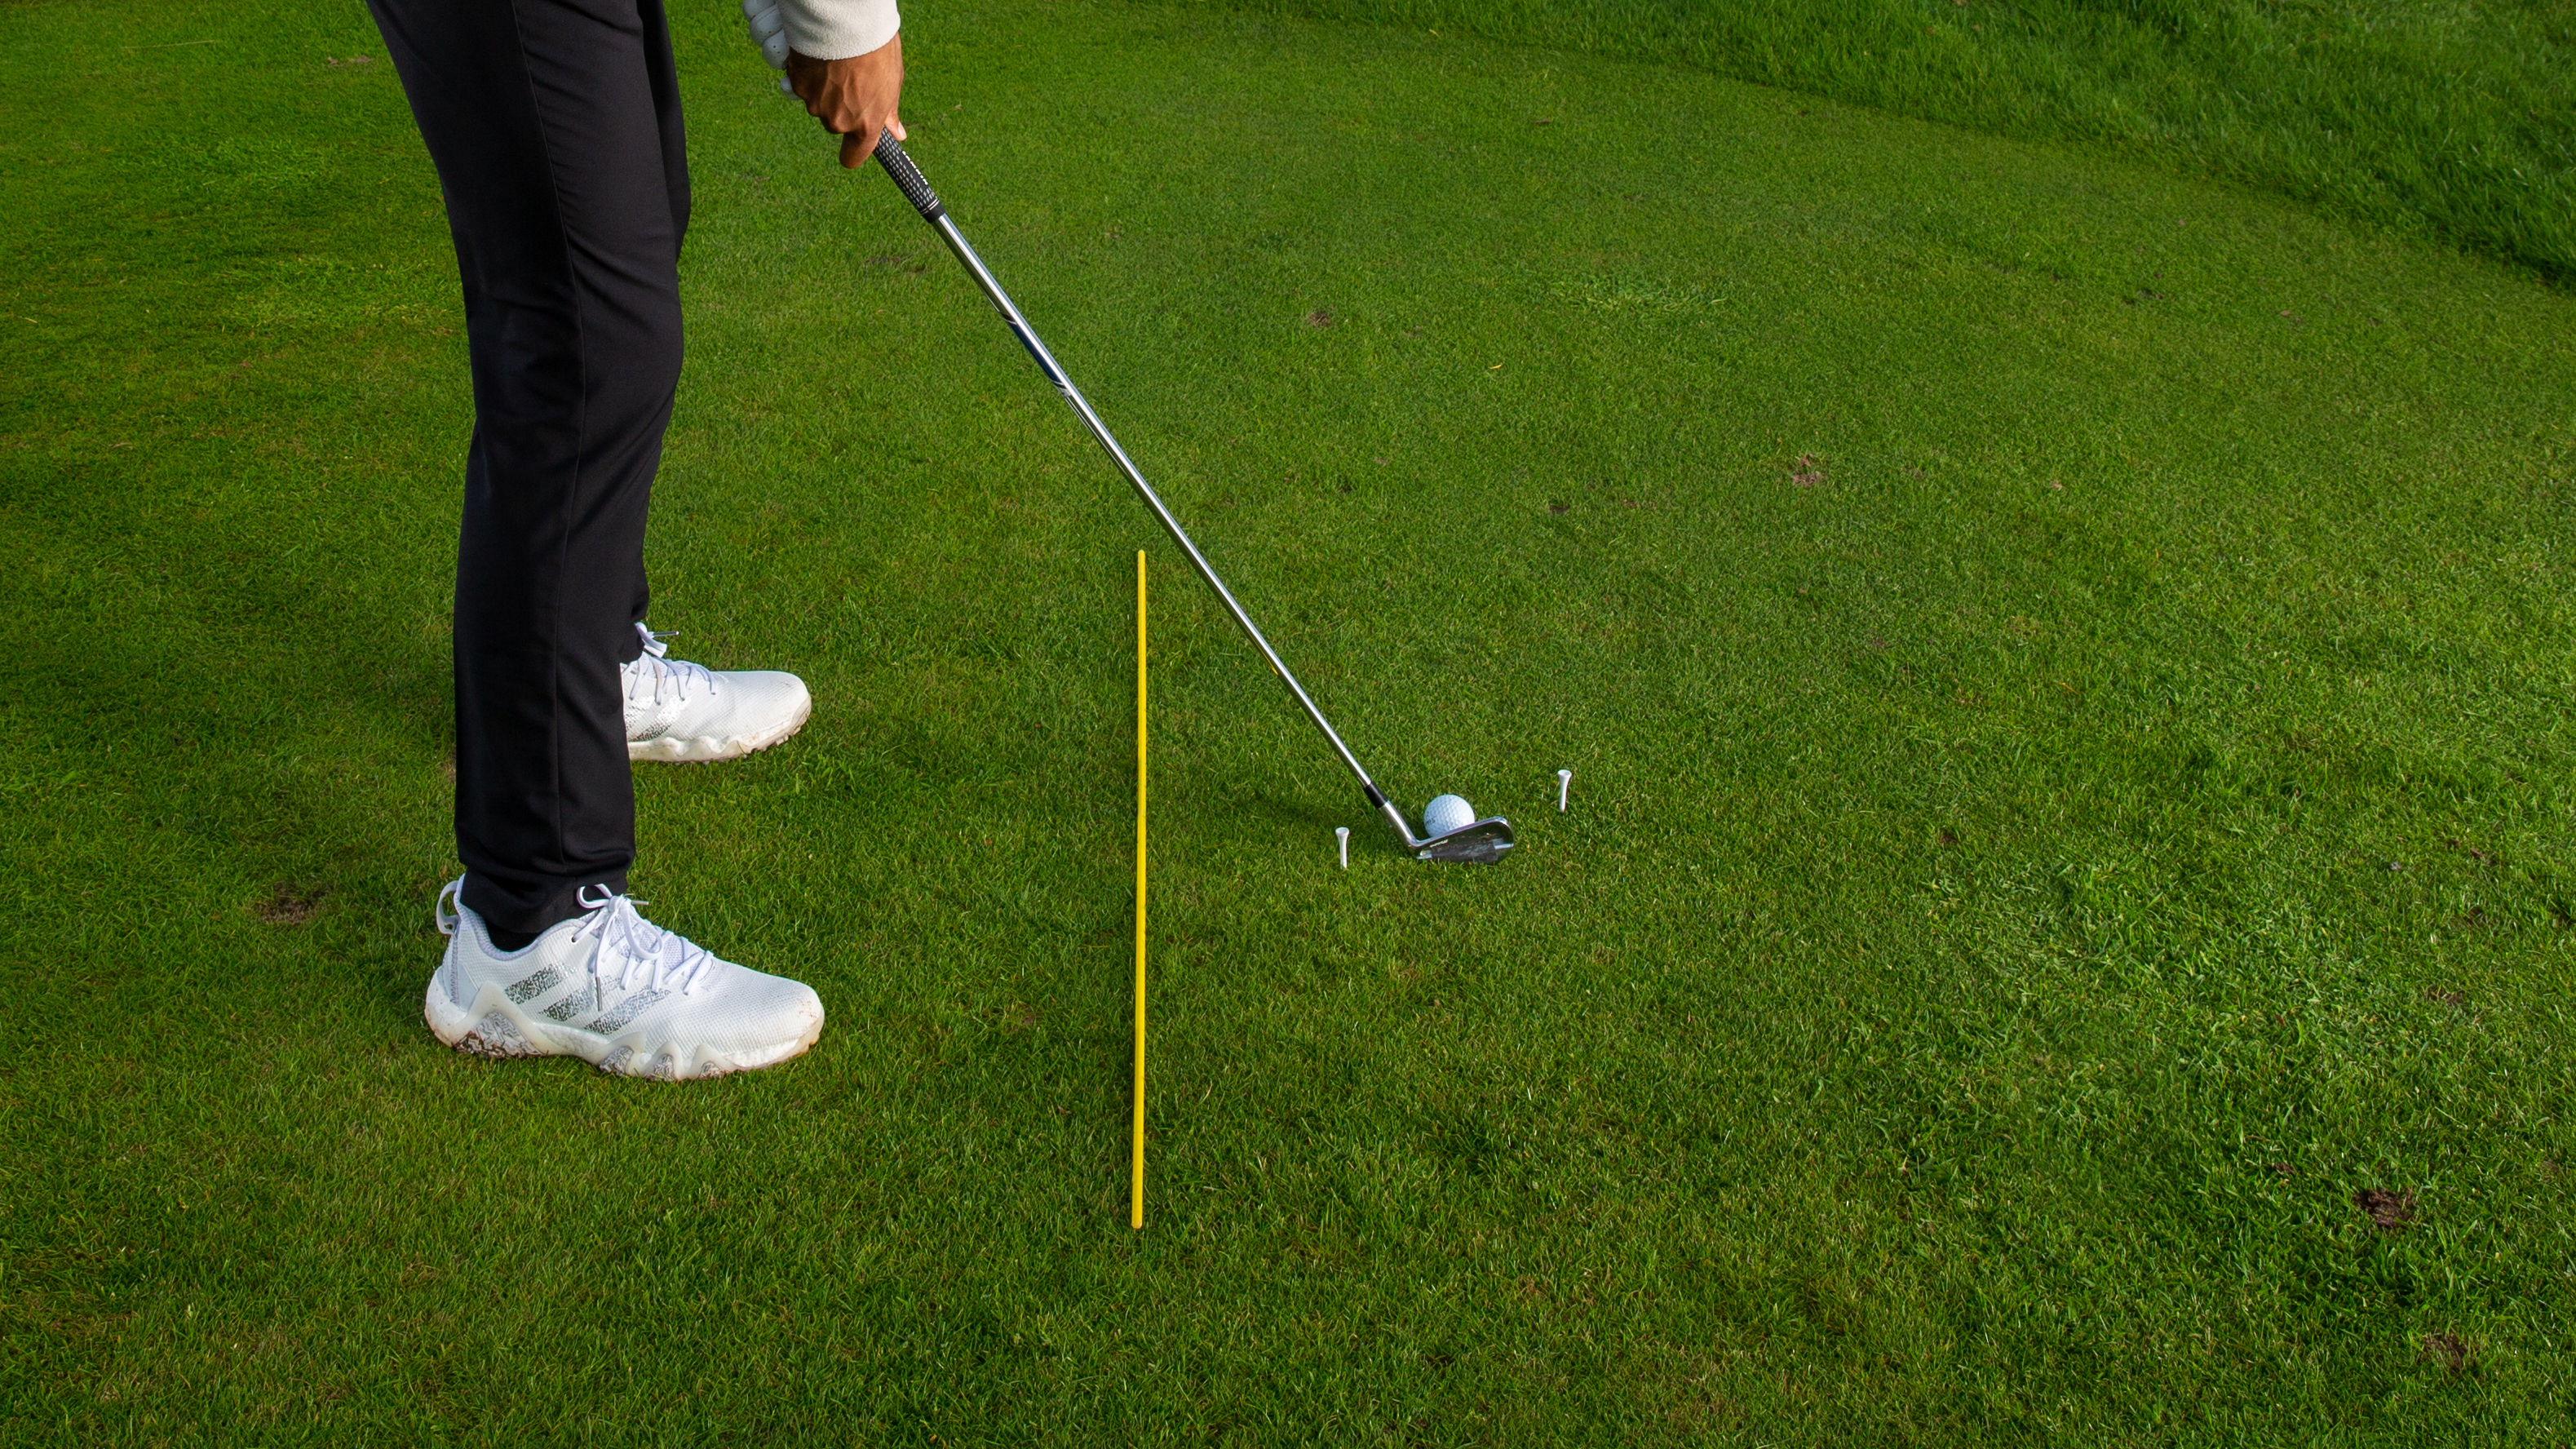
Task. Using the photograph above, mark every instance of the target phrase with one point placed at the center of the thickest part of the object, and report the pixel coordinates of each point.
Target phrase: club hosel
(1378, 802)
(1395, 817)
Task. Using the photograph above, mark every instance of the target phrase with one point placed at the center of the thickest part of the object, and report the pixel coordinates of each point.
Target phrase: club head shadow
(1479, 844)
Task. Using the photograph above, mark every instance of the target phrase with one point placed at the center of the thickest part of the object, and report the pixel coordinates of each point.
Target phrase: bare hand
(853, 98)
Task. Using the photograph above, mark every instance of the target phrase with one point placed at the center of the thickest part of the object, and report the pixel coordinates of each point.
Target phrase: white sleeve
(839, 29)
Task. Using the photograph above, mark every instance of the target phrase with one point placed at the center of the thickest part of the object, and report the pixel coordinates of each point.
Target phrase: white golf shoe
(676, 710)
(616, 991)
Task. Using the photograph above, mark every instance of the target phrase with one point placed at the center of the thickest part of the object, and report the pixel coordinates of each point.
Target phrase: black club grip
(908, 176)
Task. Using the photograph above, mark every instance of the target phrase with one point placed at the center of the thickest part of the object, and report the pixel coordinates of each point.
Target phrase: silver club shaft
(1073, 397)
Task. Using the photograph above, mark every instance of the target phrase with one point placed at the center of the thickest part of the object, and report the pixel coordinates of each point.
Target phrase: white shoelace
(655, 666)
(632, 945)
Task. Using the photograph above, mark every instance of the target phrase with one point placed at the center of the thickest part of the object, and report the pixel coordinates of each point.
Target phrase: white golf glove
(768, 31)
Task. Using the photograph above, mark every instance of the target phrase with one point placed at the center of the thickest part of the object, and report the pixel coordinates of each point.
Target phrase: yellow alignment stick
(1136, 1180)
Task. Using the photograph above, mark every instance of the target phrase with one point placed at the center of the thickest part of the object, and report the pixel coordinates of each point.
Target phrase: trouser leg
(555, 126)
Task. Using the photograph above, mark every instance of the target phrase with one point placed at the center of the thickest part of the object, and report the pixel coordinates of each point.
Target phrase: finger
(805, 76)
(854, 155)
(895, 124)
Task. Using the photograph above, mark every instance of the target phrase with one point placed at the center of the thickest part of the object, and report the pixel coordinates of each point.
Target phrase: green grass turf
(2068, 671)
(2417, 113)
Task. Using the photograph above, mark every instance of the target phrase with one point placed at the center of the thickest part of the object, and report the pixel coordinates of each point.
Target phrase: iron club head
(1479, 843)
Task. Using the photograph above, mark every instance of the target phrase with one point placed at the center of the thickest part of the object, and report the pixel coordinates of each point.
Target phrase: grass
(2064, 933)
(2431, 115)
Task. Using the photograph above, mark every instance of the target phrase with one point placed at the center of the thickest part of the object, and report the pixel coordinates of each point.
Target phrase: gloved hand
(768, 31)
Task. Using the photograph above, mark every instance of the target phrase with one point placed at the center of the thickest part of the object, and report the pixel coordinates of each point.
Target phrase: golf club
(1481, 840)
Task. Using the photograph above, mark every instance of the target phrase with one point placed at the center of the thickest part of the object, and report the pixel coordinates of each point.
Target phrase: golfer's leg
(555, 153)
(556, 132)
(662, 76)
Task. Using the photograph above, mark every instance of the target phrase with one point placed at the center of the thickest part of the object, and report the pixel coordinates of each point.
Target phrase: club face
(1479, 844)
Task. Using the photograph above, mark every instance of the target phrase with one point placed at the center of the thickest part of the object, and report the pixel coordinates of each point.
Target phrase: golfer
(555, 126)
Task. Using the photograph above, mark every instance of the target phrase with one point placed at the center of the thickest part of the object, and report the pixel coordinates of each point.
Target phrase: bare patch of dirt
(288, 904)
(1808, 471)
(2445, 995)
(2388, 1210)
(1319, 318)
(2450, 1350)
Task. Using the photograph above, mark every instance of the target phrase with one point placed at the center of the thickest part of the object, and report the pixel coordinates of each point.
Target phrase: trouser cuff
(532, 907)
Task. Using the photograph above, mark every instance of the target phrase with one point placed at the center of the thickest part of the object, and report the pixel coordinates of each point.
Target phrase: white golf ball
(1446, 813)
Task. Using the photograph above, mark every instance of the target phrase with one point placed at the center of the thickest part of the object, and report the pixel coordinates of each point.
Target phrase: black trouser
(555, 125)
